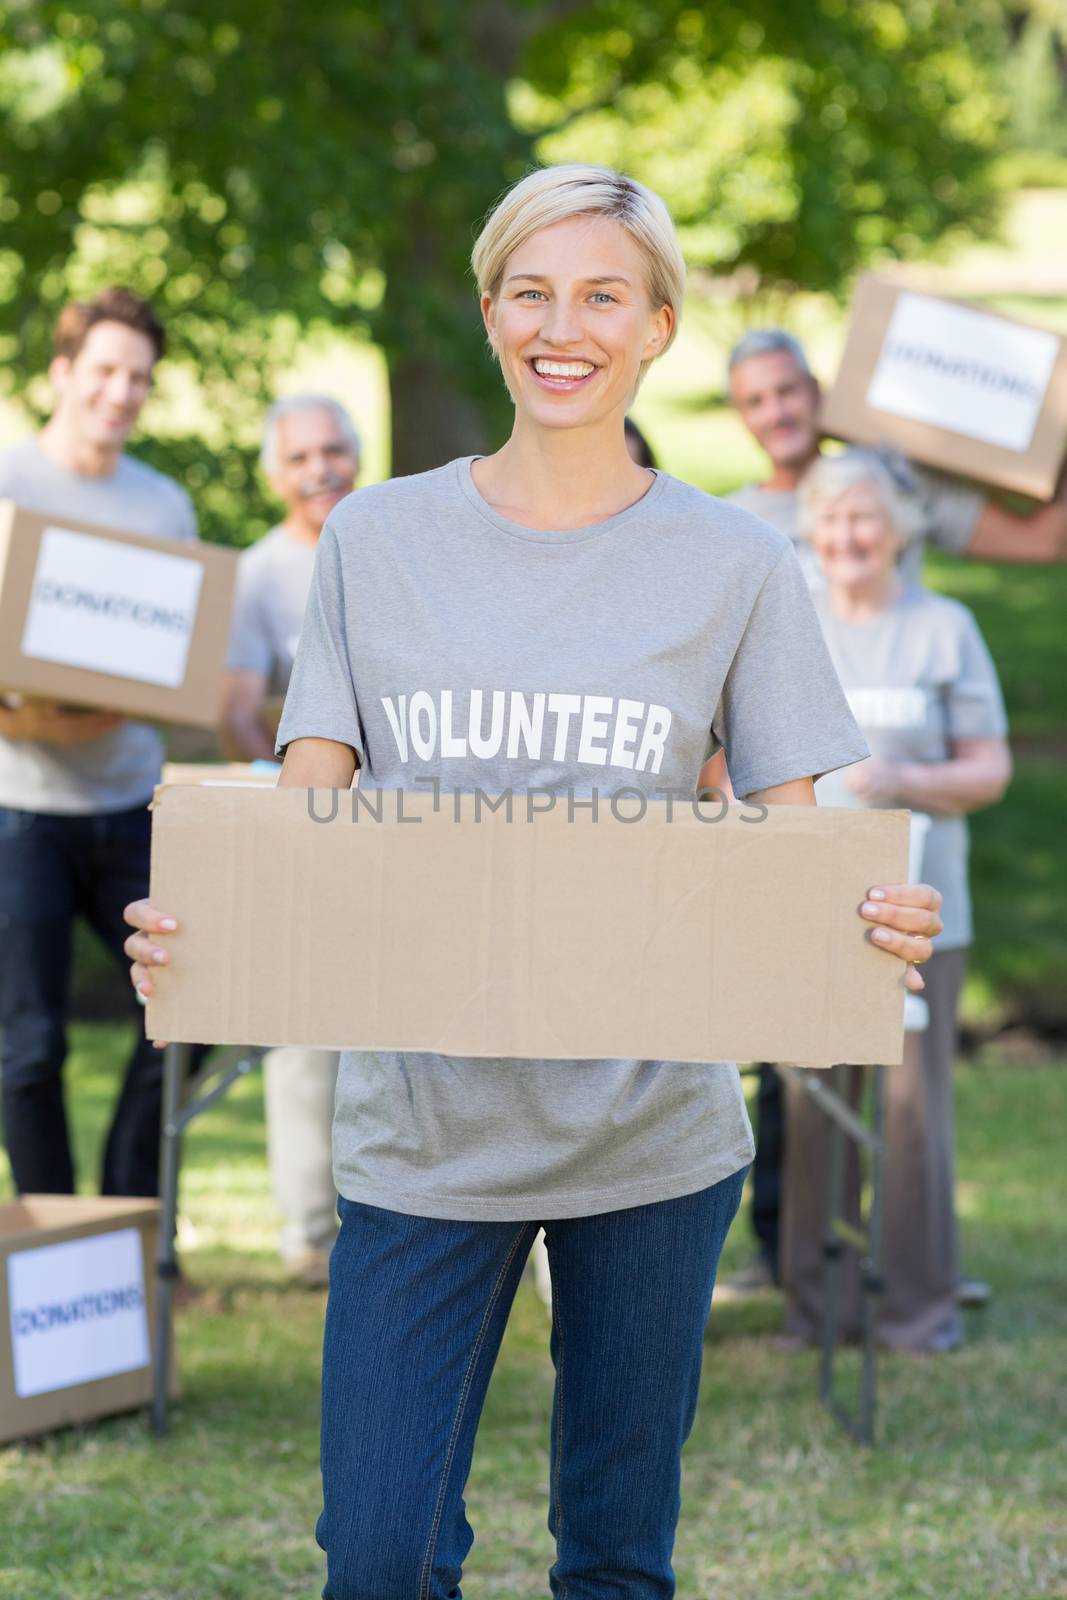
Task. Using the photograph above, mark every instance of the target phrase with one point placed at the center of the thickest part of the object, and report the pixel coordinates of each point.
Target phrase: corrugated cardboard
(551, 935)
(162, 644)
(954, 386)
(218, 772)
(69, 1328)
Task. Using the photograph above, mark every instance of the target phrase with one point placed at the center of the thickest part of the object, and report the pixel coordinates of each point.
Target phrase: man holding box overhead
(75, 783)
(776, 396)
(310, 456)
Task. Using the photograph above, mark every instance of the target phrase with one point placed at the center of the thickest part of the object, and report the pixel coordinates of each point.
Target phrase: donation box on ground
(77, 1293)
(953, 386)
(90, 616)
(489, 926)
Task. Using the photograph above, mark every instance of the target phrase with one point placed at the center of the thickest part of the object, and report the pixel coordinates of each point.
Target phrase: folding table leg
(832, 1247)
(872, 1281)
(175, 1070)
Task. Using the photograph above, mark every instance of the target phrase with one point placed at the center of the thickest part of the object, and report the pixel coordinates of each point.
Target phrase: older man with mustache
(310, 456)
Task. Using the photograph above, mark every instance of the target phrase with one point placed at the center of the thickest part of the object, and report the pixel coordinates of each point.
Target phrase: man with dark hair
(74, 784)
(77, 320)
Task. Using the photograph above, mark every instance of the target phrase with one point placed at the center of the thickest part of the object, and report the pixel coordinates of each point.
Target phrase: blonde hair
(572, 189)
(887, 473)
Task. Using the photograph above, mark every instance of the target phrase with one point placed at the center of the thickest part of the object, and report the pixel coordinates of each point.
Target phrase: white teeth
(562, 369)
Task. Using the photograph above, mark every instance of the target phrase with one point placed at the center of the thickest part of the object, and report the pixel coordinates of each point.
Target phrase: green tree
(1036, 77)
(262, 169)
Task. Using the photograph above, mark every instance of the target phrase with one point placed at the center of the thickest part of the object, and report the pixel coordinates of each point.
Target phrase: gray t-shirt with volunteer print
(119, 769)
(273, 579)
(918, 677)
(444, 641)
(952, 510)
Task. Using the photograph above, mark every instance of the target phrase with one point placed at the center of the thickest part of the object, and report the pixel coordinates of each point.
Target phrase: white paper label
(962, 370)
(112, 607)
(77, 1311)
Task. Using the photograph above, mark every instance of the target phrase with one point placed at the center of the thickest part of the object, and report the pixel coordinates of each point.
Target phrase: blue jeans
(53, 869)
(416, 1315)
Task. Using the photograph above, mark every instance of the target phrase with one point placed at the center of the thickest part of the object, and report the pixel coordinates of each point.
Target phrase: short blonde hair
(887, 473)
(572, 189)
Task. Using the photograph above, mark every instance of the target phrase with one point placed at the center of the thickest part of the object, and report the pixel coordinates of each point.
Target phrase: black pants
(53, 869)
(767, 1167)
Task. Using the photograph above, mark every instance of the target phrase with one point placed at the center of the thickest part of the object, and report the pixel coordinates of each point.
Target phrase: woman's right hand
(145, 947)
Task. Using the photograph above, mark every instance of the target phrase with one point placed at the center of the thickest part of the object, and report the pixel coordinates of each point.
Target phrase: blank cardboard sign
(417, 923)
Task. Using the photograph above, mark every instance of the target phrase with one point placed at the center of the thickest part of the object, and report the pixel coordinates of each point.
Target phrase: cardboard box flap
(952, 385)
(31, 1213)
(94, 616)
(668, 938)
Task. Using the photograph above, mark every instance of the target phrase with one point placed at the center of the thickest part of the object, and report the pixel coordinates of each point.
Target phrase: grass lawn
(964, 1499)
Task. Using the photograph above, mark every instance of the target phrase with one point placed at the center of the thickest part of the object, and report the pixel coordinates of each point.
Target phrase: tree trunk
(446, 397)
(433, 419)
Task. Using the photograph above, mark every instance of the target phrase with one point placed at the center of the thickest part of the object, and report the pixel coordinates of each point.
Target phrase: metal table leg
(184, 1097)
(872, 1280)
(833, 1246)
(175, 1069)
(847, 1126)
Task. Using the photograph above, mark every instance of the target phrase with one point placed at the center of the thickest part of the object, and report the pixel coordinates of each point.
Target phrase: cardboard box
(93, 617)
(77, 1306)
(953, 386)
(669, 937)
(218, 772)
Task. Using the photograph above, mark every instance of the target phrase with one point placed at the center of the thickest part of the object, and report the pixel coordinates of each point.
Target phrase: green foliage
(263, 169)
(274, 161)
(232, 503)
(795, 140)
(1036, 77)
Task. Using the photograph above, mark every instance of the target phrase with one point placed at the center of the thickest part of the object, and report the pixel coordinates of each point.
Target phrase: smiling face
(854, 540)
(778, 403)
(316, 466)
(572, 323)
(101, 390)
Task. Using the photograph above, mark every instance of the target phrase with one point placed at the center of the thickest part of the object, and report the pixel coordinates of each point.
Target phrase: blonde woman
(553, 615)
(924, 690)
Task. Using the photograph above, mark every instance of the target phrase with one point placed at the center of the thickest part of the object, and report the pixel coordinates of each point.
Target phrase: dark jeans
(416, 1315)
(52, 869)
(768, 1164)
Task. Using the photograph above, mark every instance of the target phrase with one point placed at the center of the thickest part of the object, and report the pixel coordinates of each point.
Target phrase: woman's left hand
(875, 782)
(908, 919)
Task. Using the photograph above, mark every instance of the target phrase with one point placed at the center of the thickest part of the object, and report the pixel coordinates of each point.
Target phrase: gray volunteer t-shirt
(273, 579)
(918, 677)
(444, 641)
(952, 513)
(120, 769)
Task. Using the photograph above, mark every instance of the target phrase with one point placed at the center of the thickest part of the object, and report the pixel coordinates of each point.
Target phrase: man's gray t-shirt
(273, 579)
(444, 641)
(918, 677)
(952, 512)
(120, 769)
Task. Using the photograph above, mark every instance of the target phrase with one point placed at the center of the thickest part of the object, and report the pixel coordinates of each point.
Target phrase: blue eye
(524, 292)
(601, 294)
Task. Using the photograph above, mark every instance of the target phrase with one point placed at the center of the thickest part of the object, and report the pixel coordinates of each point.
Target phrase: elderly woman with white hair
(922, 686)
(551, 616)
